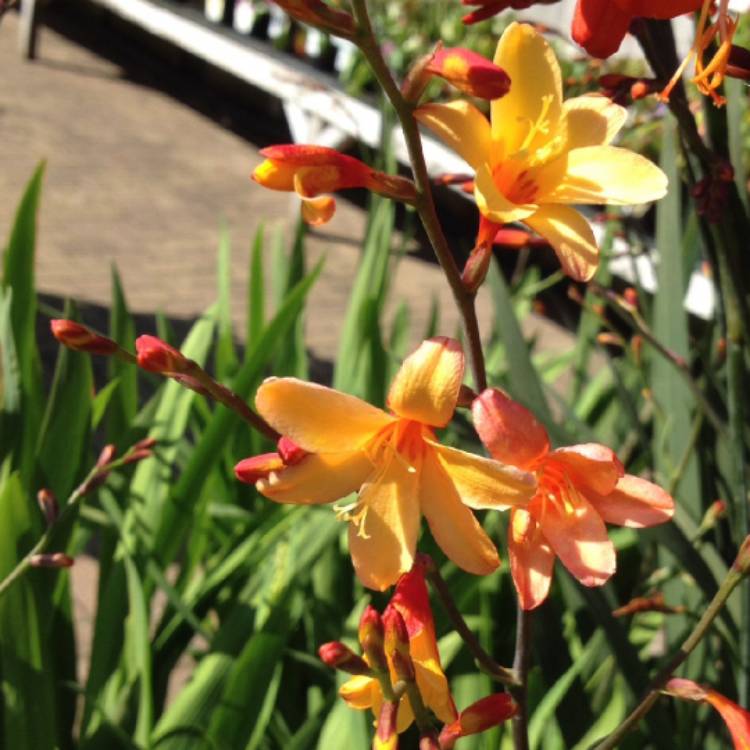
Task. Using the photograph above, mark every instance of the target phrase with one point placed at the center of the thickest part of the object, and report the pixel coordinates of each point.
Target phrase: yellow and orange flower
(735, 717)
(312, 170)
(540, 154)
(395, 463)
(579, 488)
(412, 602)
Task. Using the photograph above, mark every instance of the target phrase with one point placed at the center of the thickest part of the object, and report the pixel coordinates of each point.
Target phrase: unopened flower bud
(470, 72)
(339, 656)
(318, 14)
(156, 355)
(477, 265)
(480, 716)
(685, 689)
(107, 454)
(78, 337)
(429, 742)
(654, 603)
(51, 560)
(135, 456)
(386, 734)
(397, 644)
(145, 444)
(372, 638)
(48, 505)
(608, 338)
(742, 561)
(250, 470)
(289, 451)
(636, 347)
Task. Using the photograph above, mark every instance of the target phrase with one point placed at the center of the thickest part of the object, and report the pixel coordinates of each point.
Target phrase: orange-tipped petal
(318, 211)
(571, 238)
(531, 559)
(318, 419)
(591, 466)
(736, 718)
(483, 483)
(383, 543)
(634, 502)
(470, 72)
(317, 478)
(454, 527)
(509, 431)
(426, 387)
(578, 537)
(478, 717)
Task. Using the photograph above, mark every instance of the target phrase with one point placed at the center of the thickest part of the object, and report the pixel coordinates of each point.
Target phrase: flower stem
(733, 578)
(424, 204)
(521, 671)
(484, 660)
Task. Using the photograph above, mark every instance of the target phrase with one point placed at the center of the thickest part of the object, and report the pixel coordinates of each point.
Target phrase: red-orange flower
(470, 72)
(736, 718)
(579, 488)
(599, 26)
(312, 170)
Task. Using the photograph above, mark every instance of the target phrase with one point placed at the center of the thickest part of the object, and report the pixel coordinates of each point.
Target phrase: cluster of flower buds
(399, 674)
(488, 8)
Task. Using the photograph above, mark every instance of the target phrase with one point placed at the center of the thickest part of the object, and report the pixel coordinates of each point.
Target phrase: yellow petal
(493, 204)
(531, 559)
(461, 126)
(382, 546)
(592, 120)
(483, 483)
(571, 238)
(275, 175)
(426, 387)
(318, 211)
(359, 691)
(453, 525)
(608, 174)
(536, 83)
(317, 478)
(317, 418)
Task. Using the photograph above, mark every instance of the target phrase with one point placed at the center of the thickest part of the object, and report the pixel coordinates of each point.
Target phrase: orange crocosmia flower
(540, 154)
(312, 170)
(395, 463)
(599, 26)
(735, 717)
(579, 489)
(412, 602)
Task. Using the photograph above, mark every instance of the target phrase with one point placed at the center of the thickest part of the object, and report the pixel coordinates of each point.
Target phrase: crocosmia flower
(312, 170)
(540, 154)
(735, 717)
(394, 462)
(411, 601)
(580, 487)
(599, 26)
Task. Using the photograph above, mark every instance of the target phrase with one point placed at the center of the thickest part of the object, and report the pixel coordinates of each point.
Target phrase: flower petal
(454, 527)
(736, 718)
(461, 126)
(599, 26)
(383, 545)
(571, 238)
(591, 466)
(634, 502)
(664, 9)
(579, 538)
(592, 120)
(483, 483)
(608, 174)
(531, 559)
(317, 478)
(492, 204)
(509, 431)
(318, 419)
(530, 62)
(426, 386)
(318, 211)
(359, 691)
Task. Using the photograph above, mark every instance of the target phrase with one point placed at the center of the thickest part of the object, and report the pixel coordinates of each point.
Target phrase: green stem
(733, 578)
(424, 203)
(484, 660)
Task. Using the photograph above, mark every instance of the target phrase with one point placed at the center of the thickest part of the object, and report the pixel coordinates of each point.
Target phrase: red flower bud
(469, 72)
(480, 716)
(289, 451)
(654, 603)
(397, 644)
(339, 656)
(48, 505)
(386, 734)
(476, 267)
(742, 561)
(372, 638)
(51, 560)
(156, 355)
(250, 470)
(78, 337)
(106, 455)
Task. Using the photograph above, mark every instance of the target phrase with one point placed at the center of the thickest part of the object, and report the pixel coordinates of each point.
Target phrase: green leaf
(226, 358)
(256, 292)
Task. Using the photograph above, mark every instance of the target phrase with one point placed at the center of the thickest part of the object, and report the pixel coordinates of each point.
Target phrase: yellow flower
(540, 154)
(395, 463)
